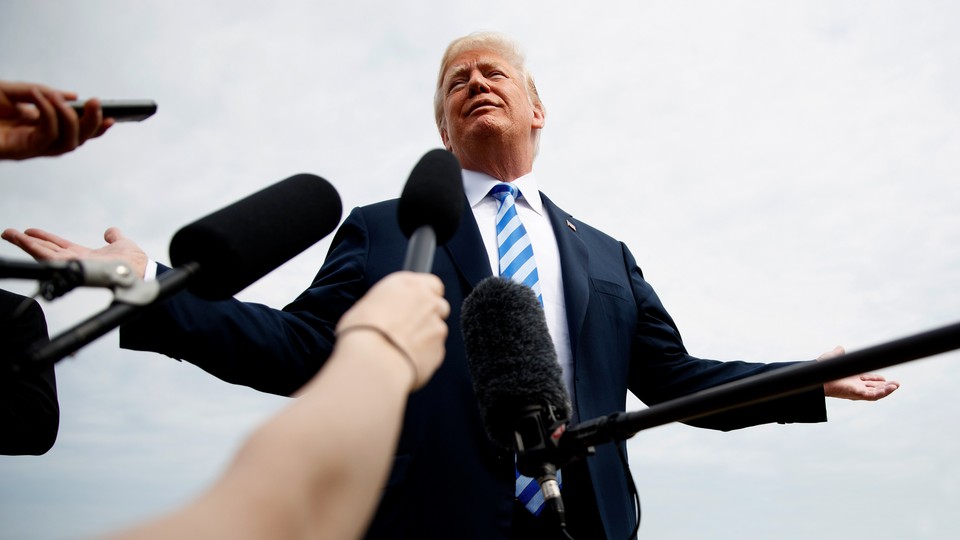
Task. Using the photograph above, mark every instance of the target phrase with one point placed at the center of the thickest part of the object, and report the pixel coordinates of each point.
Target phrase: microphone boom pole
(577, 440)
(117, 313)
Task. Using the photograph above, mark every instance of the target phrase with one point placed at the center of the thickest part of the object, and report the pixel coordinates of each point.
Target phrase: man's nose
(478, 84)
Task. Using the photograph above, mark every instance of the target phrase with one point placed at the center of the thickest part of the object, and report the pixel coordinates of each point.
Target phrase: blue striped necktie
(516, 252)
(517, 263)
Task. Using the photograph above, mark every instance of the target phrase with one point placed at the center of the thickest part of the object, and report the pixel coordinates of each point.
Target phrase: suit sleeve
(662, 369)
(271, 350)
(29, 408)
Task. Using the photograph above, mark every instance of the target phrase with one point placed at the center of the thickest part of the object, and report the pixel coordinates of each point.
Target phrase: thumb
(112, 234)
(837, 351)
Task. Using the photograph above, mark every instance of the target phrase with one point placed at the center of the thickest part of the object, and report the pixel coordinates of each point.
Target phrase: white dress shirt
(477, 188)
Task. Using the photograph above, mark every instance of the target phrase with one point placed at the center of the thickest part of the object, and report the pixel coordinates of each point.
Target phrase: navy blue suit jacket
(448, 480)
(29, 408)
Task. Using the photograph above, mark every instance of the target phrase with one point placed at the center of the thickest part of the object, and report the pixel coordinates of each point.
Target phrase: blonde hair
(484, 41)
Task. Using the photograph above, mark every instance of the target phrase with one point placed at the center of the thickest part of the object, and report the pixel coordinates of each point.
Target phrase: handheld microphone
(516, 377)
(237, 245)
(430, 207)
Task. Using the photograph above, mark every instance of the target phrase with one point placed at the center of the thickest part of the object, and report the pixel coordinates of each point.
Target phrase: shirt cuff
(150, 272)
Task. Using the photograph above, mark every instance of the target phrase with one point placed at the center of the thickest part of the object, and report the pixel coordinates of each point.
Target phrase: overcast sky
(784, 173)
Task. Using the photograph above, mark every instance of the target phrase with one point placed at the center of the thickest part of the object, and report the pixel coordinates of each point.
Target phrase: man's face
(484, 96)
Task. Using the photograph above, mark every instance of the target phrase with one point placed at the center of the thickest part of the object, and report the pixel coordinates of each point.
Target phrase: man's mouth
(481, 105)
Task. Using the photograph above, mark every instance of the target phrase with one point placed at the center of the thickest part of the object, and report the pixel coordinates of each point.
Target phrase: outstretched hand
(866, 387)
(45, 246)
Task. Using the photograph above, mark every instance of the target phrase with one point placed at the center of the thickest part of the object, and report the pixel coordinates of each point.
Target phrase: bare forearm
(316, 469)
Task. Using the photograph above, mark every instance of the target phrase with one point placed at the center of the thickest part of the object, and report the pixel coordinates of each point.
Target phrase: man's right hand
(44, 246)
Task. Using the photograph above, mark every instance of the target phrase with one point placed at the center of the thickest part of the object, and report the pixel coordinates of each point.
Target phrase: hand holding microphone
(417, 332)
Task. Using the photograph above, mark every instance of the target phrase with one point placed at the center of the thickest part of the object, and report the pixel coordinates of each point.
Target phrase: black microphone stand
(57, 278)
(126, 306)
(578, 440)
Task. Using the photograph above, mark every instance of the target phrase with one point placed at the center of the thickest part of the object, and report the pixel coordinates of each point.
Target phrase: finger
(835, 352)
(11, 235)
(112, 235)
(69, 125)
(38, 249)
(872, 377)
(90, 121)
(882, 391)
(104, 126)
(48, 126)
(444, 309)
(19, 91)
(41, 234)
(879, 393)
(6, 104)
(435, 283)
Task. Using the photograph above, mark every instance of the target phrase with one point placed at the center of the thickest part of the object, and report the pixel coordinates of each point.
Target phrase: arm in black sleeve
(663, 370)
(254, 345)
(29, 409)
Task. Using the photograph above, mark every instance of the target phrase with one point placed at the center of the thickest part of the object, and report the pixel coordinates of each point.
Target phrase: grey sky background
(785, 173)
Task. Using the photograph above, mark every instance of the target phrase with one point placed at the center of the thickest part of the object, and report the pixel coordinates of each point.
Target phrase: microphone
(60, 277)
(430, 207)
(237, 245)
(516, 377)
(217, 256)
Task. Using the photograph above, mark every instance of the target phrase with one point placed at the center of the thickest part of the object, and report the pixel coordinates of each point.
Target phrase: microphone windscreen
(433, 196)
(511, 356)
(239, 244)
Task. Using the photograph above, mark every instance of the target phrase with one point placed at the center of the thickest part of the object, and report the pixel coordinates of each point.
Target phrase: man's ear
(539, 116)
(445, 138)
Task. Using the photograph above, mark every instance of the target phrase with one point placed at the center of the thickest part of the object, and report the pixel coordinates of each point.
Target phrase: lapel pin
(572, 226)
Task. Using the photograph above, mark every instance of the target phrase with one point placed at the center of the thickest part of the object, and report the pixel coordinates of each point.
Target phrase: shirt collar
(477, 185)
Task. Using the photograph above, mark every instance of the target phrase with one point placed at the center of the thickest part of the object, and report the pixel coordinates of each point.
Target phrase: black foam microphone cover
(511, 356)
(239, 244)
(433, 196)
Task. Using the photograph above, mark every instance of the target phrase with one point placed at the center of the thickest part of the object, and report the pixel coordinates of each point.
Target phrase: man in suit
(610, 329)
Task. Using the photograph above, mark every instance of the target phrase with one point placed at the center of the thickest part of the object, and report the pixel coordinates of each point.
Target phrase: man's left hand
(865, 387)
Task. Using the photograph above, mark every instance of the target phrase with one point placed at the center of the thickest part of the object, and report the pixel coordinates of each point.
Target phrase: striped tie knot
(503, 190)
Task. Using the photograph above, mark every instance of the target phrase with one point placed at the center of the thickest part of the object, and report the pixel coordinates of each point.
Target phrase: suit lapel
(466, 249)
(468, 254)
(574, 259)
